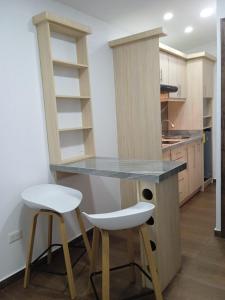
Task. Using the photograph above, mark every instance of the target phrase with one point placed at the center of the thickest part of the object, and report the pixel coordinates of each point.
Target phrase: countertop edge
(182, 143)
(155, 178)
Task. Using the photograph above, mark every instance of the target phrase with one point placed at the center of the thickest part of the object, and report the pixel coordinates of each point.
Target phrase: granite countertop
(151, 170)
(193, 135)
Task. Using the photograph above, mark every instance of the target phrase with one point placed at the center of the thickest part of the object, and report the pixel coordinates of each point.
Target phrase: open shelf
(173, 100)
(69, 64)
(64, 97)
(66, 87)
(74, 128)
(207, 117)
(207, 127)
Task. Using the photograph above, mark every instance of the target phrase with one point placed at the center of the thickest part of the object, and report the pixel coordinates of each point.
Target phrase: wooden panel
(63, 25)
(166, 229)
(137, 100)
(43, 33)
(136, 67)
(153, 34)
(208, 80)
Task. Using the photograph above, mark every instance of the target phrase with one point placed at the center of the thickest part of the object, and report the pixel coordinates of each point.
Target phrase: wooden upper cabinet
(164, 68)
(177, 76)
(208, 72)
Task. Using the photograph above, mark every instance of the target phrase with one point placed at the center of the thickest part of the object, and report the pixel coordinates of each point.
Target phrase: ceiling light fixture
(188, 29)
(207, 12)
(168, 16)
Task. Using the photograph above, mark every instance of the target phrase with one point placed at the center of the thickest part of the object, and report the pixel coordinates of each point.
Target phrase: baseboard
(18, 275)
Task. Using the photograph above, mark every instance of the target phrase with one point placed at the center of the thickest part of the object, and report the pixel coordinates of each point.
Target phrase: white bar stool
(54, 200)
(129, 218)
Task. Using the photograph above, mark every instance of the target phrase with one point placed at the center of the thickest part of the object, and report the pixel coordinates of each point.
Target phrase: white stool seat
(122, 219)
(54, 197)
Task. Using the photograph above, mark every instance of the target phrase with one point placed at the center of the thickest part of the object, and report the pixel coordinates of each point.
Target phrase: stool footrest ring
(118, 268)
(35, 262)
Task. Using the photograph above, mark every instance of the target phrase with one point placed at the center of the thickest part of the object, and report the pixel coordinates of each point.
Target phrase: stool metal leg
(50, 223)
(84, 234)
(131, 254)
(67, 258)
(30, 251)
(151, 262)
(105, 266)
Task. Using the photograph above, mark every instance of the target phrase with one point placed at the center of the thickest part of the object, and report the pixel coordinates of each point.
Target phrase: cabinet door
(195, 166)
(183, 185)
(208, 78)
(164, 68)
(191, 167)
(180, 154)
(181, 78)
(177, 76)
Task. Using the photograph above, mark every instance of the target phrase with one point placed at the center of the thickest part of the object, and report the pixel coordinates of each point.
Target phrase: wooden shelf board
(76, 158)
(74, 128)
(207, 117)
(64, 97)
(207, 127)
(173, 100)
(69, 64)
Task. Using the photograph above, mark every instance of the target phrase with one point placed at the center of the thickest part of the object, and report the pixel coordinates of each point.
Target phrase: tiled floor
(202, 276)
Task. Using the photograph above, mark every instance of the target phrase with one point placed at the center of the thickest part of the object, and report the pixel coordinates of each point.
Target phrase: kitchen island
(156, 182)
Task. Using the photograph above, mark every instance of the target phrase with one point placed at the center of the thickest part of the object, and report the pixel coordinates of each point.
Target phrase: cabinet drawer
(179, 153)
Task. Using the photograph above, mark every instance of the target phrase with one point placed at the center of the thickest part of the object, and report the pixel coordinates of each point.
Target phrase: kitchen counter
(154, 171)
(155, 181)
(193, 135)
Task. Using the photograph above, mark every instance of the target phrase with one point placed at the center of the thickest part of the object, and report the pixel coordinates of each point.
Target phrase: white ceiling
(138, 15)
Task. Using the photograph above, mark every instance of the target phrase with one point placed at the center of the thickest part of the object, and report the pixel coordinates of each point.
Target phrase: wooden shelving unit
(66, 88)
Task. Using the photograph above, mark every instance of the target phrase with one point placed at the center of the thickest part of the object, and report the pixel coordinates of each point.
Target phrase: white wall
(23, 151)
(220, 14)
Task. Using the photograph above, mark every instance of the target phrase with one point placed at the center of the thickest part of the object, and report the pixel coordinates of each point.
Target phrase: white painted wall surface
(23, 151)
(220, 14)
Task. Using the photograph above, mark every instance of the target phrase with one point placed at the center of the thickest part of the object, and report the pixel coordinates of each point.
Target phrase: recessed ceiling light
(188, 29)
(168, 16)
(207, 12)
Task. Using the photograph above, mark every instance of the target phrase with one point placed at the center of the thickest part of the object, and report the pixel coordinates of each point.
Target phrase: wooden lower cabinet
(190, 180)
(195, 166)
